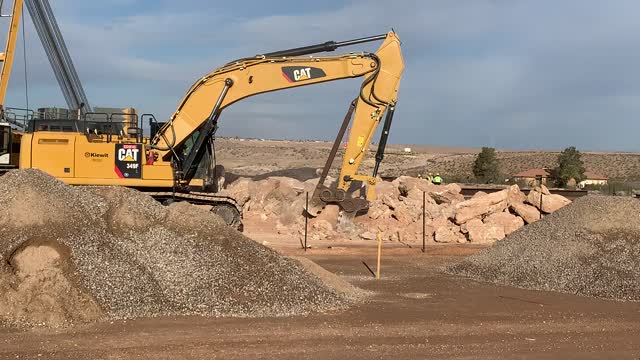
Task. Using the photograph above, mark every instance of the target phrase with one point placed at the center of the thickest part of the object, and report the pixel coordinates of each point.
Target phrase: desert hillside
(301, 158)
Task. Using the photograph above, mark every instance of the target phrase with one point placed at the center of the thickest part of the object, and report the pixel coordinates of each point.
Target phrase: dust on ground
(416, 312)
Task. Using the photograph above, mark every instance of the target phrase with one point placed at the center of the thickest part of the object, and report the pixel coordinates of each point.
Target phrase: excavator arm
(196, 117)
(6, 58)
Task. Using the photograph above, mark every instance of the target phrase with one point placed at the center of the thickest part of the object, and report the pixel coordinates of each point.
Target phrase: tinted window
(5, 136)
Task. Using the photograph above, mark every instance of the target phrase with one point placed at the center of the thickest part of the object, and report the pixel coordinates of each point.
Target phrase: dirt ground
(416, 312)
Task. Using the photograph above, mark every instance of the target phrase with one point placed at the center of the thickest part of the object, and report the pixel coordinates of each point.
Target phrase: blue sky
(511, 74)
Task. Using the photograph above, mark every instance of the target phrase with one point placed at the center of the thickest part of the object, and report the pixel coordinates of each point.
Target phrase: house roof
(532, 173)
(593, 176)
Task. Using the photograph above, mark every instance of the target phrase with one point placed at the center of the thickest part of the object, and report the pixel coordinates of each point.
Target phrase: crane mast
(58, 55)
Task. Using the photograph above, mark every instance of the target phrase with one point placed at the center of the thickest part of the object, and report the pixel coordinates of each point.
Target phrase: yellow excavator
(176, 161)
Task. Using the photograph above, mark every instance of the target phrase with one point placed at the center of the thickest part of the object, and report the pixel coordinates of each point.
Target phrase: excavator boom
(200, 109)
(7, 56)
(177, 162)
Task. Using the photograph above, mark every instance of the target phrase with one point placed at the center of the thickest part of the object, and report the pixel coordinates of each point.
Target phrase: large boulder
(432, 225)
(547, 203)
(514, 195)
(240, 190)
(386, 188)
(378, 210)
(543, 189)
(329, 213)
(506, 220)
(553, 202)
(449, 233)
(406, 213)
(408, 183)
(481, 233)
(481, 206)
(390, 201)
(323, 228)
(479, 194)
(528, 213)
(449, 194)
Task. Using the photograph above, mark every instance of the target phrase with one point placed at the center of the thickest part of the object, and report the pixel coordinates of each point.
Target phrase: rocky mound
(278, 203)
(76, 254)
(591, 247)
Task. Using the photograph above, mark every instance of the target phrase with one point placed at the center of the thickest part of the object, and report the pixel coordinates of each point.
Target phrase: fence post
(540, 202)
(424, 222)
(306, 220)
(379, 255)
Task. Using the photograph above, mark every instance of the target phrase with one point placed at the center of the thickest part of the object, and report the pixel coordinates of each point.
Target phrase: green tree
(485, 168)
(570, 166)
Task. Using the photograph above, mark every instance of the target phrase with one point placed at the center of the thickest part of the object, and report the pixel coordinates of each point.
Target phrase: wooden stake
(424, 222)
(306, 221)
(379, 254)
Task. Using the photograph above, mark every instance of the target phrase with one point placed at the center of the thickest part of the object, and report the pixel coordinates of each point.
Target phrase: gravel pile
(128, 256)
(591, 247)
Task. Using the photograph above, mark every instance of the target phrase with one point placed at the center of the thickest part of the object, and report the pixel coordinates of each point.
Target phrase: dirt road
(416, 312)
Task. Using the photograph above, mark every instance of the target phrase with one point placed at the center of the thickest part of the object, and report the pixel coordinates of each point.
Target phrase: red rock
(528, 213)
(514, 195)
(478, 194)
(550, 203)
(449, 233)
(507, 221)
(481, 206)
(481, 233)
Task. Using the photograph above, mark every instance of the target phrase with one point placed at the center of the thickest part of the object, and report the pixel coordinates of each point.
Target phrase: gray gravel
(137, 258)
(590, 247)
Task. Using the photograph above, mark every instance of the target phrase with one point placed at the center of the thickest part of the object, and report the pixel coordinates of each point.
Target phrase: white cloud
(478, 72)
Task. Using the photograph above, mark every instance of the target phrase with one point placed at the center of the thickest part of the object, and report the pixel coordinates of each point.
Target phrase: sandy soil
(416, 312)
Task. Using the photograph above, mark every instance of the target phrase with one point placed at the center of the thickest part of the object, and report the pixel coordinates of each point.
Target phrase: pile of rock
(78, 254)
(591, 247)
(397, 212)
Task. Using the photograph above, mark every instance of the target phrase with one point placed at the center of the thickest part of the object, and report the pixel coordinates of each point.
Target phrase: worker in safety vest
(437, 180)
(429, 177)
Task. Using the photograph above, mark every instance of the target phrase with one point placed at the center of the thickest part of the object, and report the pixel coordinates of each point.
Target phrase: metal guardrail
(569, 194)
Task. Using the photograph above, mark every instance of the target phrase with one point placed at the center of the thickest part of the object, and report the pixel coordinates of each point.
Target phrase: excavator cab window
(188, 144)
(207, 165)
(5, 144)
(5, 139)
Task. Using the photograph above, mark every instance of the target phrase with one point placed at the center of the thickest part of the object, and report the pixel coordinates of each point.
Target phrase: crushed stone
(126, 256)
(590, 247)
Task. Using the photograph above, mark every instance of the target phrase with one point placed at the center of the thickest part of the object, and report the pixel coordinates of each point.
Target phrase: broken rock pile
(591, 247)
(77, 254)
(397, 212)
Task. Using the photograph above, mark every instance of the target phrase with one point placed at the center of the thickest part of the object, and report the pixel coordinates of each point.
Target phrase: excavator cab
(9, 147)
(5, 144)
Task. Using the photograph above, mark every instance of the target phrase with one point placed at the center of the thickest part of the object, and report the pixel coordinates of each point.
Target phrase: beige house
(534, 177)
(593, 179)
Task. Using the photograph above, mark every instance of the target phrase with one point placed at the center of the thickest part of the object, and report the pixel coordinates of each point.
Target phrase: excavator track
(224, 206)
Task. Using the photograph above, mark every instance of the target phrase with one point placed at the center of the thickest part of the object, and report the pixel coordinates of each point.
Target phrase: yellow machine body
(91, 157)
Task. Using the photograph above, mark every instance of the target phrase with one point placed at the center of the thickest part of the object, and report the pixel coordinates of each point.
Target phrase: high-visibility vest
(437, 180)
